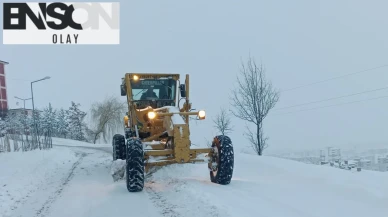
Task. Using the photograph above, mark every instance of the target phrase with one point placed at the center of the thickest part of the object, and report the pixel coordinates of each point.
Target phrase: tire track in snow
(174, 200)
(46, 206)
(167, 209)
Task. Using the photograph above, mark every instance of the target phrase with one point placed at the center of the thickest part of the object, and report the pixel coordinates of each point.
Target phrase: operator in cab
(149, 94)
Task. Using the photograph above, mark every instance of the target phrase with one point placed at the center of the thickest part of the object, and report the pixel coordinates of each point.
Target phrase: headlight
(201, 114)
(151, 115)
(135, 77)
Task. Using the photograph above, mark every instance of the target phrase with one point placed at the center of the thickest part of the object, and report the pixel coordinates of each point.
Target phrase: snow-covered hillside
(73, 181)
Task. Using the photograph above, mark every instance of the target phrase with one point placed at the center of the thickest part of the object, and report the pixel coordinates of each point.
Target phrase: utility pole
(24, 119)
(33, 110)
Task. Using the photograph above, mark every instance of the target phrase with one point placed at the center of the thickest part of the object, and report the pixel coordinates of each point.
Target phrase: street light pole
(24, 119)
(24, 102)
(33, 108)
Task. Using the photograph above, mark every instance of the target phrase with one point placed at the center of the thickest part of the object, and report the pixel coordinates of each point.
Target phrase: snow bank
(118, 169)
(24, 173)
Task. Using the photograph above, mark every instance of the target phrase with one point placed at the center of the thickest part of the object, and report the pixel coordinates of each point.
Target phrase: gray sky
(299, 42)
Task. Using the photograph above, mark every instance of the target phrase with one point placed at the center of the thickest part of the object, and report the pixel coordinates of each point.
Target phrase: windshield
(153, 89)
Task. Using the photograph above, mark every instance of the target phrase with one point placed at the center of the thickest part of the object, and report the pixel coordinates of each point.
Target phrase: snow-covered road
(86, 189)
(77, 182)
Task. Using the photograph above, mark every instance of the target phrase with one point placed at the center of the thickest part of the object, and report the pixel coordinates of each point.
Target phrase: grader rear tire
(135, 165)
(224, 159)
(118, 144)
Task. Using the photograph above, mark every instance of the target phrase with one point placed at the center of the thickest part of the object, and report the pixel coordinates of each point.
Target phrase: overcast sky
(299, 42)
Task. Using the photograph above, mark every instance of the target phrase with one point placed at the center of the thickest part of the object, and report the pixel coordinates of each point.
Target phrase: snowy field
(73, 181)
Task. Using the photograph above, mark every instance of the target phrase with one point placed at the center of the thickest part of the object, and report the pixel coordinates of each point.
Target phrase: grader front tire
(135, 165)
(223, 157)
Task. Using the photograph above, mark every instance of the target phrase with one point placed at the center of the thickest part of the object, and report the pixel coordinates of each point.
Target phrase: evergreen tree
(36, 129)
(76, 122)
(47, 125)
(3, 127)
(62, 125)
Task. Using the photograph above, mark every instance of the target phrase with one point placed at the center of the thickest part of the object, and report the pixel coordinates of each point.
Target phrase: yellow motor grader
(156, 130)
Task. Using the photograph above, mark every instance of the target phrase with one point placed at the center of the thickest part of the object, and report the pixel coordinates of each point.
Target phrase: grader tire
(224, 172)
(118, 144)
(135, 165)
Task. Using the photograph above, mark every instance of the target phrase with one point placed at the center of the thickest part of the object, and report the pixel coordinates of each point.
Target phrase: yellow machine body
(161, 124)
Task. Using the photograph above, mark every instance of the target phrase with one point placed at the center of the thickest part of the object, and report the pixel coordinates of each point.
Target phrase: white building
(27, 112)
(330, 154)
(365, 163)
(381, 162)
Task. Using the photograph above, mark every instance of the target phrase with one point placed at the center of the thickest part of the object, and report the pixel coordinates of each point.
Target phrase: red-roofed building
(3, 90)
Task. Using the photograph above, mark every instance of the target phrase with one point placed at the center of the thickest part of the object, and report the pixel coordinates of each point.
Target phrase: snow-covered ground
(77, 182)
(74, 143)
(65, 182)
(68, 142)
(269, 186)
(25, 176)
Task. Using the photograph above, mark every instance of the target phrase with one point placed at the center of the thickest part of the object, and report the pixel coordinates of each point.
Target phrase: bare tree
(107, 116)
(253, 99)
(208, 142)
(222, 122)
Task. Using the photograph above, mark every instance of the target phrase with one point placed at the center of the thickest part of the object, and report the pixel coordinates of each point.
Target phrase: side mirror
(182, 88)
(123, 90)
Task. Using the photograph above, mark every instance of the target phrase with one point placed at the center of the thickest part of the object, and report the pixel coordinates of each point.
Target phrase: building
(382, 162)
(330, 154)
(3, 90)
(27, 112)
(364, 163)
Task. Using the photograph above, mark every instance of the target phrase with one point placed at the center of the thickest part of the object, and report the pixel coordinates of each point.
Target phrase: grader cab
(156, 130)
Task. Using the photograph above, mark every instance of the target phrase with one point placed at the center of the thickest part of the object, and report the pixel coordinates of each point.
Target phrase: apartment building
(3, 90)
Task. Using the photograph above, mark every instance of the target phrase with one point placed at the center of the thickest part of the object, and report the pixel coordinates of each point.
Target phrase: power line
(333, 105)
(333, 78)
(333, 98)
